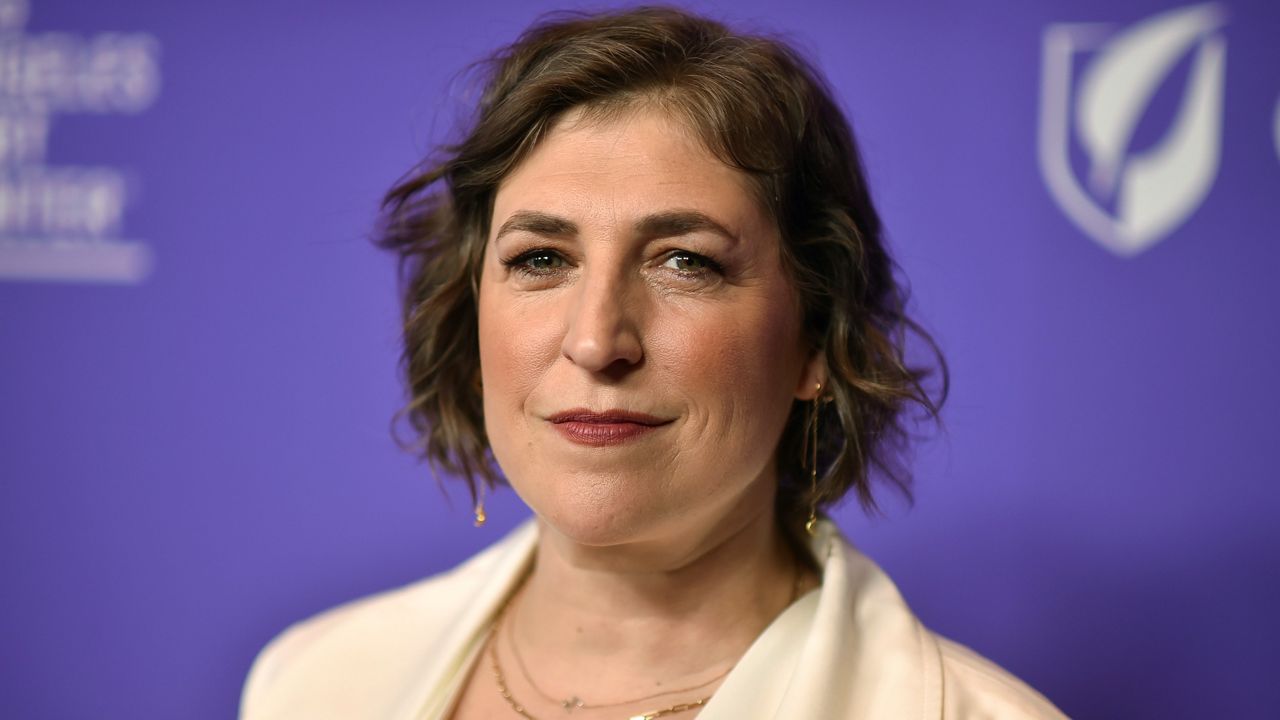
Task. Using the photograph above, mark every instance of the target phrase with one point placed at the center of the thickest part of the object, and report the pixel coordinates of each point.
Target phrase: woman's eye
(537, 262)
(691, 263)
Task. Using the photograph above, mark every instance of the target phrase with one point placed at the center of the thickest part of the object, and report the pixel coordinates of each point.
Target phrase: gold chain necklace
(522, 712)
(574, 702)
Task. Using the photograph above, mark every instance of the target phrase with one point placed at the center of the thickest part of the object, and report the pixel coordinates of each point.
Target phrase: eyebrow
(669, 223)
(680, 222)
(538, 223)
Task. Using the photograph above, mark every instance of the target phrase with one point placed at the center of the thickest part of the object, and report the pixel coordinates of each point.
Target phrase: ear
(813, 377)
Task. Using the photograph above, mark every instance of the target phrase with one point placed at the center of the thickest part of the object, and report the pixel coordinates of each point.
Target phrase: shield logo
(1276, 122)
(1096, 85)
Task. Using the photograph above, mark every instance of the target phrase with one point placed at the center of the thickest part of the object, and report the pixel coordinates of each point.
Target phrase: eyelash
(711, 265)
(520, 263)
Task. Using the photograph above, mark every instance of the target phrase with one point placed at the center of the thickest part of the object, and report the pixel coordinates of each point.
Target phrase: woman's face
(640, 342)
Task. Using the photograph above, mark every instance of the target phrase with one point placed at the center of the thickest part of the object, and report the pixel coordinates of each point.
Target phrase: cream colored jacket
(848, 650)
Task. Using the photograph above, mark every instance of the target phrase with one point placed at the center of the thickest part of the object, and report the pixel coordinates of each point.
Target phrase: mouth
(602, 429)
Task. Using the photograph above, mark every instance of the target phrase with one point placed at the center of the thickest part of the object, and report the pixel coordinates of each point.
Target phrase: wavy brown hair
(758, 106)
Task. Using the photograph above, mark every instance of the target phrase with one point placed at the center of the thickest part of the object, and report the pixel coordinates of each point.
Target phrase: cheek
(508, 349)
(513, 357)
(739, 370)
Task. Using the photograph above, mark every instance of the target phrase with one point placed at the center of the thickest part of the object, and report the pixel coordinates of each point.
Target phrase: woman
(650, 281)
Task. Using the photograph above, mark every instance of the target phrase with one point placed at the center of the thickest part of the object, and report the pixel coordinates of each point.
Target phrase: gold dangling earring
(812, 443)
(477, 383)
(479, 509)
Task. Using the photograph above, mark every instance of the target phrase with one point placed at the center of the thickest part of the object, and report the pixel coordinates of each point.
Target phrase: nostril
(603, 353)
(601, 333)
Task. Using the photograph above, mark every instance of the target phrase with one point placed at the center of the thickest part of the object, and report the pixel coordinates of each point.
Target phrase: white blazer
(849, 650)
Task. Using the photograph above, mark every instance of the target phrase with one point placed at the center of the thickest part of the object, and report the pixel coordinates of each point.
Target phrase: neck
(656, 612)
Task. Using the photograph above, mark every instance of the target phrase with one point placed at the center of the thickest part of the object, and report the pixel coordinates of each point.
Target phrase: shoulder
(362, 626)
(367, 651)
(975, 688)
(916, 672)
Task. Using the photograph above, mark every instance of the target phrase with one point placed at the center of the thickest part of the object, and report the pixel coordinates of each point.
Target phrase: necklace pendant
(572, 704)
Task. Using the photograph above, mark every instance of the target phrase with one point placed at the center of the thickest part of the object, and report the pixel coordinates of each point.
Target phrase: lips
(601, 429)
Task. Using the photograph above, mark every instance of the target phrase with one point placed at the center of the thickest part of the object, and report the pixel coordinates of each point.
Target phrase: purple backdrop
(199, 344)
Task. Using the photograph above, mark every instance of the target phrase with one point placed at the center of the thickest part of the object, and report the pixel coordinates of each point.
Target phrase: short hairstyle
(758, 106)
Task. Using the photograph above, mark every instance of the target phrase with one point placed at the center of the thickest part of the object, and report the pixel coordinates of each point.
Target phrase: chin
(603, 519)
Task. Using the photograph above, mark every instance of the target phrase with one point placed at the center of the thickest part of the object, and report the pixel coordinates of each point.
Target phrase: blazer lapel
(851, 650)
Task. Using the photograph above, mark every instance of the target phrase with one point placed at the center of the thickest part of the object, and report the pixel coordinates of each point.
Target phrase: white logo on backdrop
(1277, 127)
(63, 222)
(1155, 191)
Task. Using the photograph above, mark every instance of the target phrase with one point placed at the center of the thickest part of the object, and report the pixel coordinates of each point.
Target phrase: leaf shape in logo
(1160, 188)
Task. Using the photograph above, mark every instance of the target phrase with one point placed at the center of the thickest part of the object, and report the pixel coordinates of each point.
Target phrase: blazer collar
(851, 648)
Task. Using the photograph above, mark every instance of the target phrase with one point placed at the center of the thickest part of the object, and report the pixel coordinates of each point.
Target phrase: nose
(602, 330)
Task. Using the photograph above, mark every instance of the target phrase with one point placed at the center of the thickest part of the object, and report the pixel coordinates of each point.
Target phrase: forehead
(626, 164)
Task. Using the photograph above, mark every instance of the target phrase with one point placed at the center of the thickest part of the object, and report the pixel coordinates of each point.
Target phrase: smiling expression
(640, 341)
